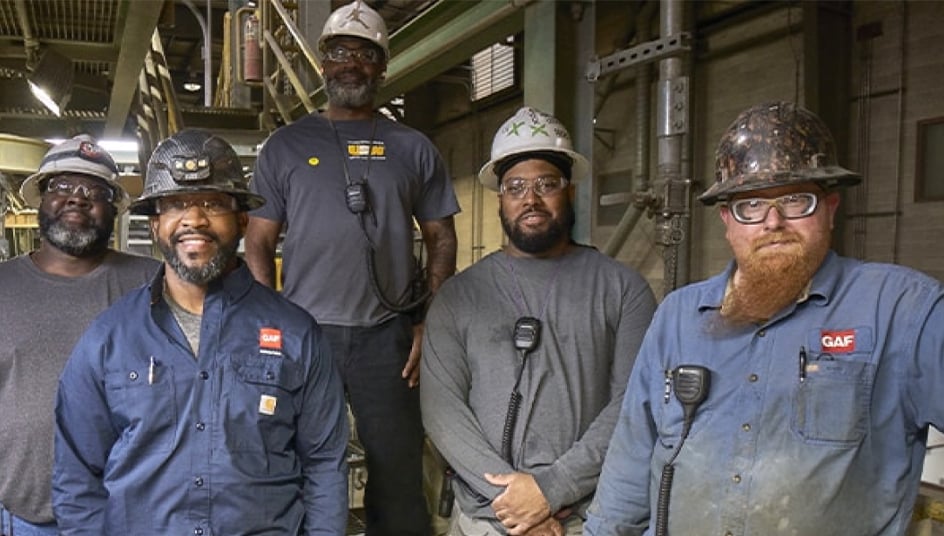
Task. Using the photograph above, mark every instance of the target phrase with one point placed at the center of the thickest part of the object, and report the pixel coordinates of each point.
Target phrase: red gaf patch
(270, 338)
(842, 341)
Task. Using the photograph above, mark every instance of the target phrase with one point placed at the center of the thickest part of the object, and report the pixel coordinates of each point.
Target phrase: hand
(521, 505)
(549, 527)
(411, 371)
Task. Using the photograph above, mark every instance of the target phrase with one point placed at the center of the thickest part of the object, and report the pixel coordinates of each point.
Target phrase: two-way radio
(691, 384)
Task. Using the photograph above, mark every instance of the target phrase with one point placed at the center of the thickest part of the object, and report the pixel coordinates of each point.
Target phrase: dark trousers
(387, 415)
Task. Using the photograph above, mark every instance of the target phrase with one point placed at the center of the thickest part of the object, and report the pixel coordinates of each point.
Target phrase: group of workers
(790, 394)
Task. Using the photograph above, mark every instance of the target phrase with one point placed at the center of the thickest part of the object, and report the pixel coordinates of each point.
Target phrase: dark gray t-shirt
(301, 174)
(43, 316)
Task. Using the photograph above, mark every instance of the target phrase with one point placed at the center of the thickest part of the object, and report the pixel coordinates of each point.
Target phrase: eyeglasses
(517, 187)
(791, 206)
(68, 188)
(177, 206)
(339, 54)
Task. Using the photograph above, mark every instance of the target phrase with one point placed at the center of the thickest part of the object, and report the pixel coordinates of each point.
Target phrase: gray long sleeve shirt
(594, 312)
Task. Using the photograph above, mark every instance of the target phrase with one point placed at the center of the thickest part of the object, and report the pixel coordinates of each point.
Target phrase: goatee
(766, 283)
(80, 242)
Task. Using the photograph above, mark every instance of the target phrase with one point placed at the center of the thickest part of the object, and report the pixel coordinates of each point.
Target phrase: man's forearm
(441, 246)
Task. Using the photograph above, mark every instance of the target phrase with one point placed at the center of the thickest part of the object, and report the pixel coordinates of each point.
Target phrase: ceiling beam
(139, 21)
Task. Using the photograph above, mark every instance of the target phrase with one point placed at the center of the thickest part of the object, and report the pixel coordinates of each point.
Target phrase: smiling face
(75, 220)
(198, 238)
(777, 257)
(352, 83)
(536, 225)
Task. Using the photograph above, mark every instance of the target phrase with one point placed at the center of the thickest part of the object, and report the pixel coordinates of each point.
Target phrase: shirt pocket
(832, 402)
(143, 407)
(259, 403)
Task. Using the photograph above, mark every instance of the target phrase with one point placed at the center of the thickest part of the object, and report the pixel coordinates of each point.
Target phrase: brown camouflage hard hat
(775, 144)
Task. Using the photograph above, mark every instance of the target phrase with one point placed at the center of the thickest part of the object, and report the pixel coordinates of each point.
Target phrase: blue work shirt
(830, 444)
(248, 437)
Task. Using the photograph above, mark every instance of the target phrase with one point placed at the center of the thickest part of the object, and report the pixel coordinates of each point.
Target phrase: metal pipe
(207, 52)
(29, 40)
(900, 136)
(640, 183)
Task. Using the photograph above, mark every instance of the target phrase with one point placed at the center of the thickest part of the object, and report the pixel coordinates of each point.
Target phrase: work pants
(387, 418)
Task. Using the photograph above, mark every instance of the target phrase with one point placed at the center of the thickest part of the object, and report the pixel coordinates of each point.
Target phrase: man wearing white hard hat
(47, 299)
(348, 184)
(527, 352)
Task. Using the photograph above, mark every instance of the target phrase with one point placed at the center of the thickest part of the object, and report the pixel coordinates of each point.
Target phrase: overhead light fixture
(193, 84)
(51, 81)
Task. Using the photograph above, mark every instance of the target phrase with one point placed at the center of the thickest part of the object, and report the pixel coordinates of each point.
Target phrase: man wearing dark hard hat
(349, 187)
(203, 403)
(527, 352)
(47, 299)
(792, 393)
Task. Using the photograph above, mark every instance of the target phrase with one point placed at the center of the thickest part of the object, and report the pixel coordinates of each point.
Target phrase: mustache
(533, 212)
(779, 236)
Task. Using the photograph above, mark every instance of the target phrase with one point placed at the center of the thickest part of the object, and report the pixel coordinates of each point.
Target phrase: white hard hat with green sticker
(531, 130)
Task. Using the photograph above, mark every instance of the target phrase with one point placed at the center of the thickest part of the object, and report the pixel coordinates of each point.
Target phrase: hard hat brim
(144, 206)
(580, 171)
(30, 193)
(828, 178)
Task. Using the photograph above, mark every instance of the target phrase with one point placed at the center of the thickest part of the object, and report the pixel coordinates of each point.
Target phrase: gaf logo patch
(270, 341)
(842, 341)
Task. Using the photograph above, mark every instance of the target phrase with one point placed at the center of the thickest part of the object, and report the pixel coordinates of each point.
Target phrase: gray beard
(200, 275)
(79, 243)
(344, 96)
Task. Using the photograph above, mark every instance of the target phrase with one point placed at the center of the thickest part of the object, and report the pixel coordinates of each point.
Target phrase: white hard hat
(356, 19)
(531, 131)
(80, 155)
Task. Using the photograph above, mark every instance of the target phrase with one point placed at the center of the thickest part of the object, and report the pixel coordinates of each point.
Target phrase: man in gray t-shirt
(348, 184)
(47, 299)
(527, 352)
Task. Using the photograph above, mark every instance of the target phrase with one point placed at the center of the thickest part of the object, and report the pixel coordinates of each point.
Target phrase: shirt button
(736, 479)
(762, 333)
(133, 375)
(200, 426)
(269, 375)
(204, 374)
(746, 427)
(752, 378)
(198, 481)
(728, 533)
(198, 531)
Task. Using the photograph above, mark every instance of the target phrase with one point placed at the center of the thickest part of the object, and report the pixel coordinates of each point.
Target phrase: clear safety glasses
(517, 187)
(794, 206)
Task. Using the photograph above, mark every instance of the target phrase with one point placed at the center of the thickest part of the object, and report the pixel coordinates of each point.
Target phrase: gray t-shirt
(301, 174)
(43, 316)
(594, 312)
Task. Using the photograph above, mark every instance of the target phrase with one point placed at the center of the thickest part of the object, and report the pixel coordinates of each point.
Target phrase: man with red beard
(47, 299)
(527, 352)
(347, 186)
(204, 403)
(791, 394)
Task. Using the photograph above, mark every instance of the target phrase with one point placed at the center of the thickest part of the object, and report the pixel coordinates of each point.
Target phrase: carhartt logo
(270, 338)
(267, 404)
(838, 341)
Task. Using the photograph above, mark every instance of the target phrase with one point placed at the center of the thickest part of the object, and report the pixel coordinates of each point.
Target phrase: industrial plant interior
(645, 87)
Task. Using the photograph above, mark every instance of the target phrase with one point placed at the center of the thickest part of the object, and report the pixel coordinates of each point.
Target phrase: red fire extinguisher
(252, 54)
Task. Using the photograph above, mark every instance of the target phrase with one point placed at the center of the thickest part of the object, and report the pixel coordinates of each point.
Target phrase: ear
(154, 222)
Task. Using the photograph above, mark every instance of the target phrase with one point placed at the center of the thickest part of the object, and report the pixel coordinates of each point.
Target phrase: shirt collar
(233, 285)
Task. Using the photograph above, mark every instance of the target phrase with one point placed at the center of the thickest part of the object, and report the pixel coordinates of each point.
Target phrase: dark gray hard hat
(194, 161)
(775, 144)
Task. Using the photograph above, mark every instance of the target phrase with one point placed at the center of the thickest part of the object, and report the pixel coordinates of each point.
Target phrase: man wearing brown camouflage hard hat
(792, 393)
(47, 298)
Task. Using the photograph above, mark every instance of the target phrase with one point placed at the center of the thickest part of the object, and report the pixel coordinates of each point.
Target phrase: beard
(539, 242)
(81, 242)
(206, 273)
(769, 282)
(351, 94)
